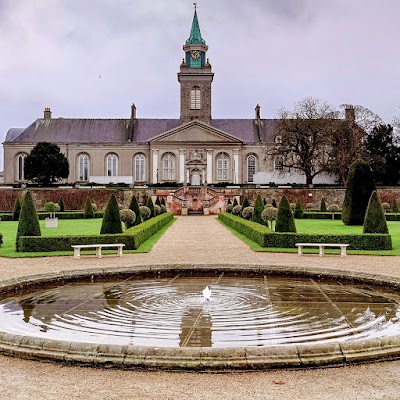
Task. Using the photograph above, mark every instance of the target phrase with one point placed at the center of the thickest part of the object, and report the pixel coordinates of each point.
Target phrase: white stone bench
(78, 247)
(343, 247)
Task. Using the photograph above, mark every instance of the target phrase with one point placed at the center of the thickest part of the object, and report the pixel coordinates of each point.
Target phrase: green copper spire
(195, 34)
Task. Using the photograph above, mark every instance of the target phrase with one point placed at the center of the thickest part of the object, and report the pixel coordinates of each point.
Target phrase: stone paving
(198, 240)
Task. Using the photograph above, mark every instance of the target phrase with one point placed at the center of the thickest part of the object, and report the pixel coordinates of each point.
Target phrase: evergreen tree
(274, 203)
(17, 209)
(28, 219)
(264, 201)
(150, 205)
(245, 203)
(322, 206)
(134, 206)
(229, 201)
(375, 220)
(162, 201)
(61, 204)
(298, 209)
(158, 202)
(284, 219)
(394, 207)
(235, 203)
(258, 209)
(111, 220)
(360, 185)
(88, 211)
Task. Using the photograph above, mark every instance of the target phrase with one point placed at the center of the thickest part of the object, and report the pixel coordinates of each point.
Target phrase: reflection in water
(258, 311)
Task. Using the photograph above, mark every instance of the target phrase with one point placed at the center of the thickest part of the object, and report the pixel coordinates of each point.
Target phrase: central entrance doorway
(195, 178)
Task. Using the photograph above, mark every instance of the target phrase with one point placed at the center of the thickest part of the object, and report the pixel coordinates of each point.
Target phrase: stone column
(236, 166)
(181, 165)
(209, 176)
(155, 165)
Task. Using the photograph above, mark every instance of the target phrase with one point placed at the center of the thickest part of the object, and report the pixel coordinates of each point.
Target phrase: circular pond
(162, 319)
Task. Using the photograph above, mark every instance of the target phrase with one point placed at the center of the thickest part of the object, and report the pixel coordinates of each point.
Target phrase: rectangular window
(195, 99)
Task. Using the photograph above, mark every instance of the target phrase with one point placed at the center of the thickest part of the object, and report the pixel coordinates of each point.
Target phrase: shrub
(17, 209)
(298, 210)
(28, 220)
(163, 202)
(229, 208)
(150, 205)
(229, 201)
(360, 185)
(157, 209)
(94, 206)
(274, 203)
(111, 220)
(61, 204)
(394, 207)
(163, 209)
(235, 202)
(386, 206)
(284, 218)
(88, 210)
(322, 205)
(333, 208)
(258, 209)
(375, 221)
(51, 208)
(158, 202)
(236, 210)
(128, 217)
(145, 213)
(248, 213)
(269, 215)
(134, 206)
(309, 206)
(245, 203)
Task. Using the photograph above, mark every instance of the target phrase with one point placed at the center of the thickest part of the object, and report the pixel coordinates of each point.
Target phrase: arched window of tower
(195, 98)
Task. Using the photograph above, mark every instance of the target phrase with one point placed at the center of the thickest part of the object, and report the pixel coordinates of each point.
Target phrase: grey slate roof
(70, 130)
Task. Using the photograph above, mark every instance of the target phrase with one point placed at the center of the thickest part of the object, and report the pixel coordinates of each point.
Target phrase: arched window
(278, 164)
(222, 166)
(83, 167)
(251, 167)
(140, 167)
(112, 165)
(20, 167)
(195, 98)
(168, 166)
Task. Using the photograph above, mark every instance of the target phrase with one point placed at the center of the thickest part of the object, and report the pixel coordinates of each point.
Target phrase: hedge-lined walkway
(197, 240)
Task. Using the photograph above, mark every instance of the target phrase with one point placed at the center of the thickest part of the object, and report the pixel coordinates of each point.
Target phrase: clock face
(195, 54)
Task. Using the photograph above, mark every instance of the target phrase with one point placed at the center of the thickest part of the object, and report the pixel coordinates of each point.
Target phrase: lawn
(327, 226)
(65, 227)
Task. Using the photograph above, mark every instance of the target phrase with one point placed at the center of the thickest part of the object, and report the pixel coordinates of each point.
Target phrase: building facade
(195, 149)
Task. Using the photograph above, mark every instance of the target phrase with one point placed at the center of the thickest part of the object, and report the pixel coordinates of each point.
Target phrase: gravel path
(197, 240)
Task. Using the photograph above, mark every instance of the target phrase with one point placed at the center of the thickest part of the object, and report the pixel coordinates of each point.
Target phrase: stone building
(195, 149)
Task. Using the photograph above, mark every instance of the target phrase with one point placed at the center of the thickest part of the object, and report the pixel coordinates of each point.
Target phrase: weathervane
(195, 6)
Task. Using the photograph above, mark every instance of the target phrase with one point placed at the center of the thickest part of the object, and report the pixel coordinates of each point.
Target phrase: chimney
(133, 111)
(258, 114)
(47, 113)
(350, 113)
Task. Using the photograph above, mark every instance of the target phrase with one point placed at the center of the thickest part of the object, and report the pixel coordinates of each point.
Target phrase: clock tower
(195, 77)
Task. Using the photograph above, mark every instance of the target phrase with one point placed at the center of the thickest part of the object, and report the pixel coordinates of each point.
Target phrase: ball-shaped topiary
(394, 207)
(157, 209)
(128, 217)
(28, 224)
(51, 208)
(111, 220)
(333, 208)
(284, 218)
(360, 185)
(163, 209)
(134, 206)
(17, 209)
(375, 221)
(386, 206)
(258, 209)
(322, 205)
(309, 206)
(298, 209)
(269, 215)
(88, 210)
(229, 208)
(145, 212)
(248, 213)
(236, 210)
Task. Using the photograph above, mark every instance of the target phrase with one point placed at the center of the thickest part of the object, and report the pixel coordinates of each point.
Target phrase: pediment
(196, 132)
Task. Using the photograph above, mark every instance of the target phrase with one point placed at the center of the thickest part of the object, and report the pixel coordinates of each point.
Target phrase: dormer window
(195, 98)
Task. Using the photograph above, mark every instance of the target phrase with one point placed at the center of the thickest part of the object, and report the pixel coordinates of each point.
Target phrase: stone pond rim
(201, 358)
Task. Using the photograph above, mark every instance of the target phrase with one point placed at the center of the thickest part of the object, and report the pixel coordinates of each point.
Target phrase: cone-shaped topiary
(229, 201)
(111, 220)
(258, 209)
(158, 202)
(394, 207)
(17, 209)
(88, 211)
(274, 203)
(134, 206)
(150, 204)
(61, 204)
(298, 209)
(235, 203)
(360, 185)
(322, 206)
(264, 201)
(28, 220)
(245, 203)
(375, 220)
(284, 218)
(162, 201)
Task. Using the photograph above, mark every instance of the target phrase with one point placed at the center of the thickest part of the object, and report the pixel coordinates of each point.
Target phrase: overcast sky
(93, 58)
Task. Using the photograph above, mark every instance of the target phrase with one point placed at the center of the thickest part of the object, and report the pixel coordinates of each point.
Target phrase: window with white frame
(21, 166)
(140, 167)
(278, 164)
(251, 167)
(83, 167)
(195, 98)
(168, 167)
(112, 164)
(222, 166)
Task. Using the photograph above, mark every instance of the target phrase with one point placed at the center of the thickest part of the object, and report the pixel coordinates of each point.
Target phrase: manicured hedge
(59, 215)
(266, 238)
(132, 238)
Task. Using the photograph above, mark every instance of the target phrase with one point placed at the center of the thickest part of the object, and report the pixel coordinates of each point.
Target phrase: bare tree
(305, 136)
